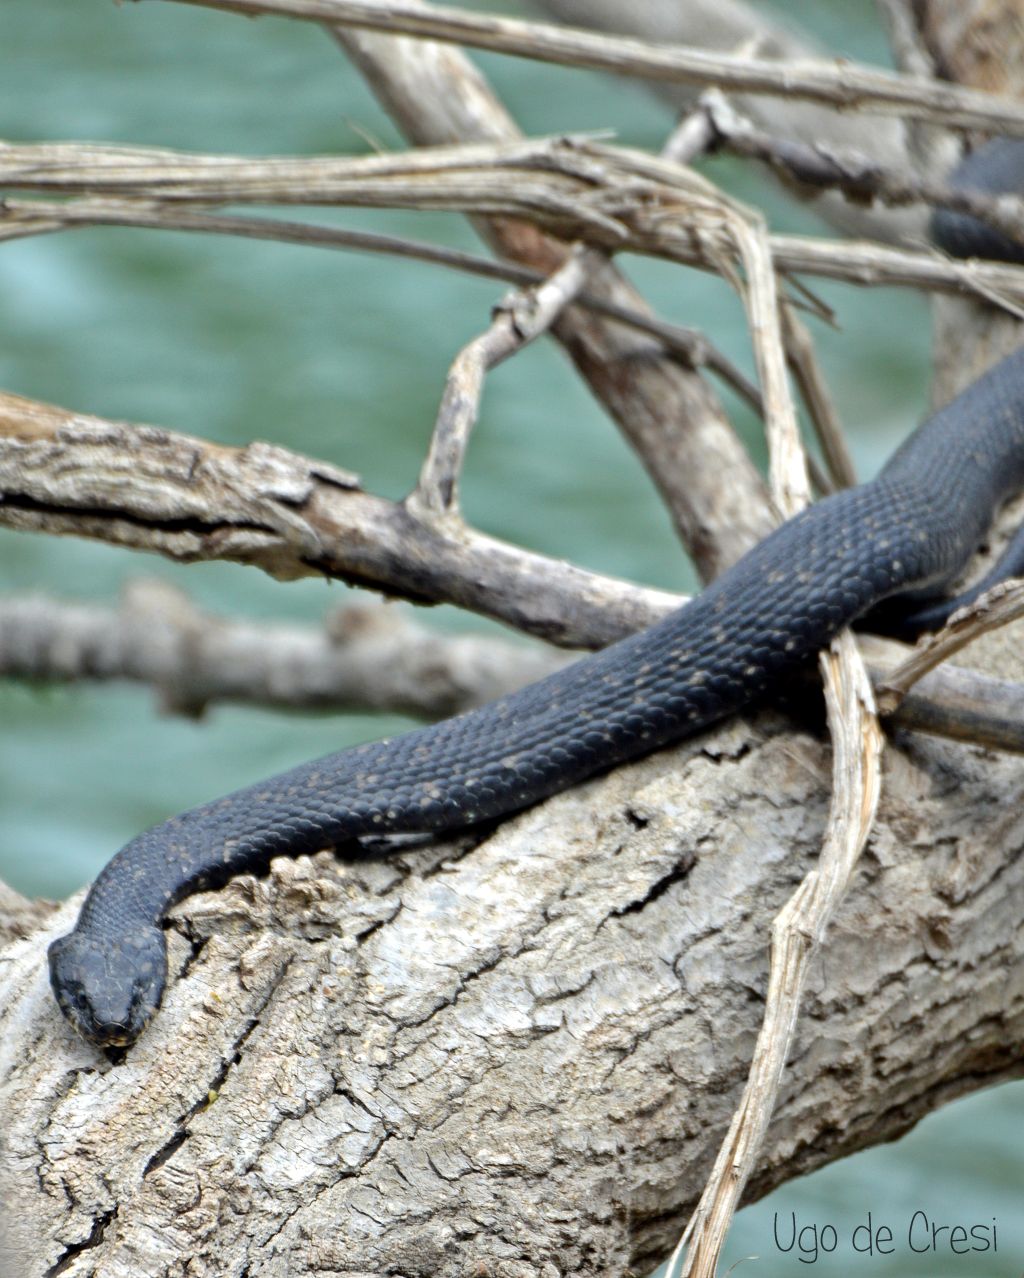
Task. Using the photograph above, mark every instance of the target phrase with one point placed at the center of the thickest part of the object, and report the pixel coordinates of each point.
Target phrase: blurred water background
(342, 357)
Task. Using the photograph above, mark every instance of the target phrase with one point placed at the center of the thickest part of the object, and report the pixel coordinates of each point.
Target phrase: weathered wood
(516, 1054)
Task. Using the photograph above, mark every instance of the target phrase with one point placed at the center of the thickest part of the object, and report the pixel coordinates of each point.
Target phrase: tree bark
(514, 1053)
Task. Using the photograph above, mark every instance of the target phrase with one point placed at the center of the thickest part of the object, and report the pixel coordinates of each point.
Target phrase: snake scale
(906, 533)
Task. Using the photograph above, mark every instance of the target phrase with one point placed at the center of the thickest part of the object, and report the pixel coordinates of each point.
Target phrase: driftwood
(515, 1052)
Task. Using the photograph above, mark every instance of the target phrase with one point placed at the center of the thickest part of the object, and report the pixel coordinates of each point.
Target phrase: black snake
(910, 530)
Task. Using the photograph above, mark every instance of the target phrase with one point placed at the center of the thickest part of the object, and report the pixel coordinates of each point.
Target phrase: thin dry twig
(519, 320)
(547, 182)
(42, 217)
(995, 608)
(815, 393)
(842, 84)
(857, 744)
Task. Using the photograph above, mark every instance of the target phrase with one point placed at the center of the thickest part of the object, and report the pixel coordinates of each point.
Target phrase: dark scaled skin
(996, 166)
(908, 531)
(913, 527)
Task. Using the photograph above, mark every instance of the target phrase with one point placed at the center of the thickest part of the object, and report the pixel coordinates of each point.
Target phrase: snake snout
(109, 992)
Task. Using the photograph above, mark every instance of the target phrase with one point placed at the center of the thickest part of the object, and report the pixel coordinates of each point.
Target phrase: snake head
(109, 990)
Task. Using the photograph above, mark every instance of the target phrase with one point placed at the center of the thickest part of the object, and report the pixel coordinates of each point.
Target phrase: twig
(682, 437)
(520, 319)
(797, 932)
(546, 182)
(995, 608)
(815, 393)
(368, 657)
(667, 413)
(857, 744)
(40, 217)
(908, 49)
(841, 84)
(691, 137)
(857, 176)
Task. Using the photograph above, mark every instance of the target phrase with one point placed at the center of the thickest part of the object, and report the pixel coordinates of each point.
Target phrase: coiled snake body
(911, 529)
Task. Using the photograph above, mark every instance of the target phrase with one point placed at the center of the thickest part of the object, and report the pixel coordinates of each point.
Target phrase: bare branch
(374, 657)
(857, 749)
(546, 181)
(858, 176)
(815, 393)
(995, 608)
(42, 217)
(519, 320)
(186, 499)
(435, 95)
(730, 27)
(840, 84)
(365, 657)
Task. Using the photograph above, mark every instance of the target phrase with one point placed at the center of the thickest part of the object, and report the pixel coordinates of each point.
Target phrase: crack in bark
(107, 514)
(171, 1146)
(678, 874)
(71, 1253)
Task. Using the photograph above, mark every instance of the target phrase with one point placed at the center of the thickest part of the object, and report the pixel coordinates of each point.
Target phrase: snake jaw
(109, 992)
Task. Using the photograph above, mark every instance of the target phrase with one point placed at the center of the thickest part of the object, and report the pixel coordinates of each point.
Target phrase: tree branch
(364, 658)
(371, 1065)
(436, 96)
(374, 658)
(615, 197)
(839, 84)
(730, 26)
(189, 500)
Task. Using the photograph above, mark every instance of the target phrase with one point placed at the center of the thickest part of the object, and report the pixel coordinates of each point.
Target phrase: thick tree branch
(189, 500)
(375, 658)
(415, 1063)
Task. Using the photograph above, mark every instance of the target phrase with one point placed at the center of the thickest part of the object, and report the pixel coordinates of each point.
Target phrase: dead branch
(517, 321)
(188, 500)
(41, 217)
(995, 608)
(374, 657)
(364, 658)
(858, 176)
(840, 84)
(632, 197)
(730, 27)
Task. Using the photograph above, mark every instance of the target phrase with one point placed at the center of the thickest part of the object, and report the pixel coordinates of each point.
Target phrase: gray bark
(517, 1056)
(514, 1054)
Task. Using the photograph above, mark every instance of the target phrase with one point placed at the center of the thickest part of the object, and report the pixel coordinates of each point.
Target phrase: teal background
(342, 356)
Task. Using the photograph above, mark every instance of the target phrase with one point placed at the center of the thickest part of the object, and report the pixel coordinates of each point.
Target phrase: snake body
(911, 529)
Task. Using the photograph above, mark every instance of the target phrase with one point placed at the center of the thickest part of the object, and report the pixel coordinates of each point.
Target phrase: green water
(342, 357)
